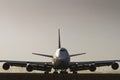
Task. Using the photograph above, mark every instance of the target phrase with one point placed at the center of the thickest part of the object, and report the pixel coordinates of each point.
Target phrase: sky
(91, 26)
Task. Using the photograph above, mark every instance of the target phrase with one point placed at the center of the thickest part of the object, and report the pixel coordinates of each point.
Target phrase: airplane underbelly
(61, 64)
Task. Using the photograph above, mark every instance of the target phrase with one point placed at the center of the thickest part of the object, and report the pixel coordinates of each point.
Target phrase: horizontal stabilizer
(50, 56)
(77, 54)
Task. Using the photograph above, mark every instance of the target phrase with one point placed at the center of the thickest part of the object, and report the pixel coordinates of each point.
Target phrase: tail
(59, 41)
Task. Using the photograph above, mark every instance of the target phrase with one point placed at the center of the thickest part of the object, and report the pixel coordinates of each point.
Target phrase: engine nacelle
(92, 68)
(74, 67)
(29, 68)
(47, 67)
(115, 66)
(6, 66)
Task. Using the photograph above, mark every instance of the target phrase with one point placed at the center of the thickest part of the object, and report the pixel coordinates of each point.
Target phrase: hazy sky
(91, 26)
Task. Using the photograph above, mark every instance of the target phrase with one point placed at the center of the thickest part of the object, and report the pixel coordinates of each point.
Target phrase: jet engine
(29, 68)
(115, 66)
(92, 68)
(6, 66)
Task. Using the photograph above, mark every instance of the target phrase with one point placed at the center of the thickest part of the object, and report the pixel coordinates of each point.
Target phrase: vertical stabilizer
(59, 42)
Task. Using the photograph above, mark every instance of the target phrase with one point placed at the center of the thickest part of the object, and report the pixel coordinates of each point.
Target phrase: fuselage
(61, 59)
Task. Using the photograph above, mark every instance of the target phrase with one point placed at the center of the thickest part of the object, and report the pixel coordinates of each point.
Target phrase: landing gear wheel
(46, 72)
(66, 72)
(55, 72)
(74, 72)
(63, 72)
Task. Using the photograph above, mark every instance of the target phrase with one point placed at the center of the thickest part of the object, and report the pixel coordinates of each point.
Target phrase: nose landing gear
(55, 72)
(63, 72)
(46, 72)
(74, 72)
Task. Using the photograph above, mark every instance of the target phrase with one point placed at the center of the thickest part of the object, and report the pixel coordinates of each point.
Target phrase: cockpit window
(62, 50)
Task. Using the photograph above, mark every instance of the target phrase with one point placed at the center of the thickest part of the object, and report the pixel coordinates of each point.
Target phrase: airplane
(60, 62)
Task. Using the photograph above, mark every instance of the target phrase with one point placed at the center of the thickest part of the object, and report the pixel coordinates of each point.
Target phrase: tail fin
(59, 42)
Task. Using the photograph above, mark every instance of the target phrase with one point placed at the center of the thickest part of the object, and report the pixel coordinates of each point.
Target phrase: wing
(92, 65)
(50, 56)
(29, 65)
(77, 54)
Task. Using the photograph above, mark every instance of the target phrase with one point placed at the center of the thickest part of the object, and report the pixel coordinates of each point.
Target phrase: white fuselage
(61, 59)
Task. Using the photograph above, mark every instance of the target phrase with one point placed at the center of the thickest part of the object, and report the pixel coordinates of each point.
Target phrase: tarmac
(38, 76)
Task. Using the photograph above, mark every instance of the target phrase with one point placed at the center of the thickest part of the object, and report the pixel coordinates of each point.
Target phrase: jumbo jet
(60, 62)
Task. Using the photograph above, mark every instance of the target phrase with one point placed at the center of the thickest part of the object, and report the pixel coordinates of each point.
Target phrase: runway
(38, 76)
